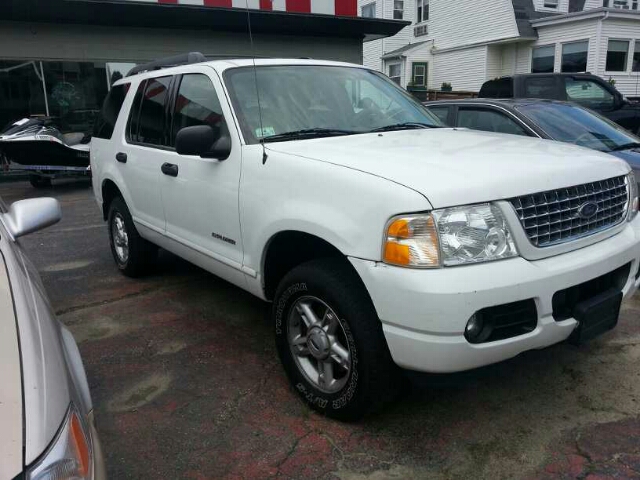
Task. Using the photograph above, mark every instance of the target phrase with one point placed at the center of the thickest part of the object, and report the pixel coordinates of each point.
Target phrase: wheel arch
(109, 191)
(287, 249)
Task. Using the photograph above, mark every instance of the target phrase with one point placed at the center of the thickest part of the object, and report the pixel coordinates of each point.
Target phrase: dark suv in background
(588, 90)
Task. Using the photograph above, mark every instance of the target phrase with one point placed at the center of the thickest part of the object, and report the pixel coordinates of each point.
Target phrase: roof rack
(184, 59)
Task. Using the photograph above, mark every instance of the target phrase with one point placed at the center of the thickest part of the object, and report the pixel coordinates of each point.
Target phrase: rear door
(201, 200)
(490, 119)
(145, 149)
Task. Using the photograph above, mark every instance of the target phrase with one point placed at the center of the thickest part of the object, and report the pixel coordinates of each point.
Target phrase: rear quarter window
(106, 121)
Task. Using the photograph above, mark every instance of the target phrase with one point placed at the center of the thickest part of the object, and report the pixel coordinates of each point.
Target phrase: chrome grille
(552, 217)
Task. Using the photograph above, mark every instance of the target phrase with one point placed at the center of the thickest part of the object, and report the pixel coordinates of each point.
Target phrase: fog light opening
(474, 328)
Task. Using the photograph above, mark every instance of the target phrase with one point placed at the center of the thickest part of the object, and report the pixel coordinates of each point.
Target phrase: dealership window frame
(399, 76)
(562, 55)
(370, 5)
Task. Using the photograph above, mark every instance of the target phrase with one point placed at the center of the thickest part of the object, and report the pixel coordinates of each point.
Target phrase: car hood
(11, 439)
(632, 157)
(457, 166)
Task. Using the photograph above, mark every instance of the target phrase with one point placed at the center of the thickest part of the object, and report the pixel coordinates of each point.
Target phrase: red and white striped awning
(327, 7)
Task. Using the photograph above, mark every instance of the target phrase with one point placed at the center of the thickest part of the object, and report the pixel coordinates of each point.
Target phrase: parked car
(39, 146)
(381, 238)
(550, 119)
(588, 90)
(45, 407)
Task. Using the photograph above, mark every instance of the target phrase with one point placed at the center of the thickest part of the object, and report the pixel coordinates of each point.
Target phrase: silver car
(45, 407)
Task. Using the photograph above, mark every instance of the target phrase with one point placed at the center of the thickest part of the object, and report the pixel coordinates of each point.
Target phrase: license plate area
(596, 315)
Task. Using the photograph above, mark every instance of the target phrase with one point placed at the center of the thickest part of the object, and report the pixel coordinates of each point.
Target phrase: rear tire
(37, 181)
(133, 254)
(330, 341)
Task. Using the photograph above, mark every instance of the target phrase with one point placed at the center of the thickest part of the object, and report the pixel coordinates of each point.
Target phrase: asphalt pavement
(186, 383)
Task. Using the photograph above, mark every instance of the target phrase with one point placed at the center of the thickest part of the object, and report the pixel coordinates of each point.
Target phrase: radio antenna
(255, 74)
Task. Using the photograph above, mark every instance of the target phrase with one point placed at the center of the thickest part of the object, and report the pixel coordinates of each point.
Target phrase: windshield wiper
(307, 133)
(625, 146)
(402, 126)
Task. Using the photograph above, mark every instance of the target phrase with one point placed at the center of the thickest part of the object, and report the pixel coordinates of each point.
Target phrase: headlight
(633, 196)
(449, 237)
(68, 457)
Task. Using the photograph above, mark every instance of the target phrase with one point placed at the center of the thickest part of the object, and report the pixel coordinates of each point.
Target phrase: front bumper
(424, 312)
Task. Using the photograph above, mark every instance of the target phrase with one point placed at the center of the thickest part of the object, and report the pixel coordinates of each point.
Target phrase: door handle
(170, 169)
(121, 157)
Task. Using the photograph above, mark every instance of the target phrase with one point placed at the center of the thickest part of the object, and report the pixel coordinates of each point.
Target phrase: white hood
(10, 384)
(454, 167)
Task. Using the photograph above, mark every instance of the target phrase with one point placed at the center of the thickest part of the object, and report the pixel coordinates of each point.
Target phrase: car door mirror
(28, 216)
(203, 140)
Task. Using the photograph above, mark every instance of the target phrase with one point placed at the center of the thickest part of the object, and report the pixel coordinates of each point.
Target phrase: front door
(200, 195)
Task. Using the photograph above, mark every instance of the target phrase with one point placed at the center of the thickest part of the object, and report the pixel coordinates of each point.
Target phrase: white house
(468, 42)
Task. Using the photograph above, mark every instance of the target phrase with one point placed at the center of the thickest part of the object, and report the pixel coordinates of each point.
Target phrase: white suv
(381, 238)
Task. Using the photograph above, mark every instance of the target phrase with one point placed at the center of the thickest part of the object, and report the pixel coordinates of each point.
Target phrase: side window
(106, 121)
(588, 93)
(196, 104)
(541, 87)
(441, 112)
(488, 120)
(134, 114)
(151, 119)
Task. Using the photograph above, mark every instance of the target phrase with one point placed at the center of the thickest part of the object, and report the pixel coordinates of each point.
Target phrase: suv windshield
(303, 101)
(574, 124)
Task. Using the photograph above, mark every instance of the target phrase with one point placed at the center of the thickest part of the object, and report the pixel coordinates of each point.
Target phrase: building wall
(464, 69)
(563, 6)
(81, 42)
(421, 54)
(620, 29)
(494, 61)
(558, 35)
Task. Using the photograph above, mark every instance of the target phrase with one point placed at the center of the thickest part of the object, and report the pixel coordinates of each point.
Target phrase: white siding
(420, 54)
(563, 6)
(466, 22)
(619, 29)
(494, 62)
(464, 69)
(589, 4)
(570, 32)
(523, 57)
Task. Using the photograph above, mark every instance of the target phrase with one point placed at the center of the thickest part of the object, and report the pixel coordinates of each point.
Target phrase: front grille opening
(506, 321)
(556, 216)
(564, 301)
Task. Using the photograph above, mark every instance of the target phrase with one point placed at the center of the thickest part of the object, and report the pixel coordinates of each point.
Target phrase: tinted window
(588, 93)
(541, 87)
(106, 121)
(196, 104)
(152, 119)
(500, 88)
(134, 114)
(488, 120)
(617, 54)
(441, 112)
(573, 124)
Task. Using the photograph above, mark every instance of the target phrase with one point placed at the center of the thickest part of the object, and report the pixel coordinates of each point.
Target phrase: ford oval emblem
(587, 210)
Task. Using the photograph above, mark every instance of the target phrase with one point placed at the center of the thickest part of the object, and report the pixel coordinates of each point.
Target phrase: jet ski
(38, 146)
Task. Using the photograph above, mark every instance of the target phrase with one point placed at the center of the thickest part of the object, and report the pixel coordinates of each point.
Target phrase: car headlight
(68, 457)
(633, 196)
(449, 237)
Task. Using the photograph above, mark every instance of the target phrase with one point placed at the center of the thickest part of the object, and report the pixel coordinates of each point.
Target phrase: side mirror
(28, 216)
(203, 140)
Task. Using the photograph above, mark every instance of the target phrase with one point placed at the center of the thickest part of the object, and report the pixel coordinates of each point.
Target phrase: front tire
(132, 253)
(330, 341)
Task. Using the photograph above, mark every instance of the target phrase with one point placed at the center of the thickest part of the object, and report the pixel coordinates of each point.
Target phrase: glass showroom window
(550, 3)
(636, 57)
(617, 55)
(574, 56)
(422, 10)
(543, 59)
